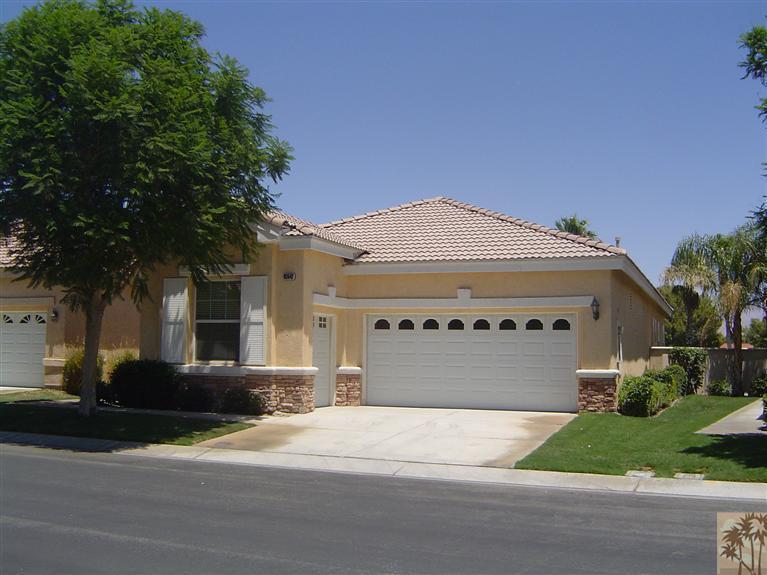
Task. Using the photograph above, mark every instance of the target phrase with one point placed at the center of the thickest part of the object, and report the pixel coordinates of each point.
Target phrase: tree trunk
(689, 304)
(94, 313)
(737, 345)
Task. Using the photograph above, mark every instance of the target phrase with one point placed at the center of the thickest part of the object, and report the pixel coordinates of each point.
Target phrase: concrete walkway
(747, 420)
(478, 474)
(419, 435)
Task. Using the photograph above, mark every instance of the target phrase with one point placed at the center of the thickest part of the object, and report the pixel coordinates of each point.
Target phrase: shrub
(720, 387)
(72, 375)
(679, 375)
(669, 382)
(639, 396)
(192, 397)
(241, 400)
(144, 383)
(759, 385)
(693, 361)
(117, 358)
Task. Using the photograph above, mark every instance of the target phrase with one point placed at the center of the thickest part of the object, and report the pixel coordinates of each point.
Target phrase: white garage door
(524, 362)
(22, 348)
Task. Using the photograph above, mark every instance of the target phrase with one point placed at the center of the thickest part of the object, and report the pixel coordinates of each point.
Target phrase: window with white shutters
(217, 321)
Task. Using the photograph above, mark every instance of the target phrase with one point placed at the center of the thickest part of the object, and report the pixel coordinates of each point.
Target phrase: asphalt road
(81, 513)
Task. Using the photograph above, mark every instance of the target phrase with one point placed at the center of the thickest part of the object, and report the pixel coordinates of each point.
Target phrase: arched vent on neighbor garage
(381, 324)
(406, 324)
(534, 325)
(7, 318)
(561, 325)
(455, 324)
(507, 325)
(481, 325)
(431, 324)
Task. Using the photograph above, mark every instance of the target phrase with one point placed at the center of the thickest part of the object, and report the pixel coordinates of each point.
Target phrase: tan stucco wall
(120, 328)
(594, 337)
(634, 310)
(290, 306)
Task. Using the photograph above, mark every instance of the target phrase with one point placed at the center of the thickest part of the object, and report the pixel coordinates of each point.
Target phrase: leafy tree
(756, 334)
(731, 269)
(755, 64)
(574, 225)
(124, 145)
(695, 321)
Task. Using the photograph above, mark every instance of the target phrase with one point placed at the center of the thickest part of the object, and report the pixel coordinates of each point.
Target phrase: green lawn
(16, 414)
(35, 395)
(612, 444)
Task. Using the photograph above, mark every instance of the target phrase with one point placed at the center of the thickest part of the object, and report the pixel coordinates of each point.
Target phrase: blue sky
(632, 114)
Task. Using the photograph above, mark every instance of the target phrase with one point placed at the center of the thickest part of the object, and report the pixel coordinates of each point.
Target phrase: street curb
(407, 469)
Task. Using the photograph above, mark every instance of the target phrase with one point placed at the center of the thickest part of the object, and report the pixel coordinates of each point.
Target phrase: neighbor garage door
(524, 362)
(22, 348)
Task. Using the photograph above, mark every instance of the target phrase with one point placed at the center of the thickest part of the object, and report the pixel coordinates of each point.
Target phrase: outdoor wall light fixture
(54, 314)
(595, 309)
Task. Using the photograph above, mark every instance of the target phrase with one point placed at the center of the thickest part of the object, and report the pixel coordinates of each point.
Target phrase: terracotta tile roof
(298, 227)
(442, 229)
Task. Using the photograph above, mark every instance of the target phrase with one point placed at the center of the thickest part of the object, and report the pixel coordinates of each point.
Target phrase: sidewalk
(746, 420)
(520, 477)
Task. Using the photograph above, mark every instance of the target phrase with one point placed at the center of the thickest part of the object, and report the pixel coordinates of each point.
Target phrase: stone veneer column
(348, 387)
(597, 390)
(286, 393)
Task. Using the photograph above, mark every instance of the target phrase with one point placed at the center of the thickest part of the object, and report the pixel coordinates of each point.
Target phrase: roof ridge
(591, 242)
(384, 211)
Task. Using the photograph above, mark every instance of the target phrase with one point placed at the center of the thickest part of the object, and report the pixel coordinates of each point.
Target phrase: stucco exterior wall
(120, 328)
(634, 311)
(594, 337)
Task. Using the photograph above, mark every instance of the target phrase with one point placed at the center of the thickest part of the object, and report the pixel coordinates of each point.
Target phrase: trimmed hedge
(759, 386)
(645, 395)
(720, 387)
(72, 376)
(241, 400)
(192, 397)
(144, 384)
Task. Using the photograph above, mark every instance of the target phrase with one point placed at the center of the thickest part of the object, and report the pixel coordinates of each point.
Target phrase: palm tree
(690, 273)
(732, 268)
(574, 225)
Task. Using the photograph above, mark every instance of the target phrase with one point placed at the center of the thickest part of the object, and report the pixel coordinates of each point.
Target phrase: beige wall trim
(597, 373)
(200, 369)
(348, 370)
(288, 243)
(53, 362)
(613, 262)
(33, 302)
(234, 270)
(448, 303)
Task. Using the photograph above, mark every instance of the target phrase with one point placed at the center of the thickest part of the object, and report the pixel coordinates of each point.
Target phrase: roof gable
(443, 229)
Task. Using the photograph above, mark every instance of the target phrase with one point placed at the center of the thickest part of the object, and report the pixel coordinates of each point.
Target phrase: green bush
(639, 396)
(241, 400)
(118, 358)
(72, 375)
(720, 387)
(192, 397)
(759, 385)
(693, 361)
(144, 383)
(679, 375)
(669, 383)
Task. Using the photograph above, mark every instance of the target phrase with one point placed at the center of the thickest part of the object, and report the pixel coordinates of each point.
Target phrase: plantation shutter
(252, 320)
(174, 312)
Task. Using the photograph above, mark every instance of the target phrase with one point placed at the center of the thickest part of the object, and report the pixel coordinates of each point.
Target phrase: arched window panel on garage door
(455, 324)
(481, 324)
(406, 324)
(561, 325)
(534, 325)
(381, 324)
(431, 323)
(507, 324)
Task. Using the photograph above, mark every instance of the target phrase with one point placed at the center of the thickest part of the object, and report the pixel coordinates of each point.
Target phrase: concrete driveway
(451, 436)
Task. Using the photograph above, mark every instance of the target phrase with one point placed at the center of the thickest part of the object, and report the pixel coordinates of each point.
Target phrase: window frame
(236, 280)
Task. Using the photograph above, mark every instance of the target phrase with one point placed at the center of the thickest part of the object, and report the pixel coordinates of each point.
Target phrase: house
(434, 303)
(37, 330)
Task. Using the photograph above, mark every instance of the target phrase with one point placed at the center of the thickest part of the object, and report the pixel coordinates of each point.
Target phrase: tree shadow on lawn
(749, 450)
(100, 432)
